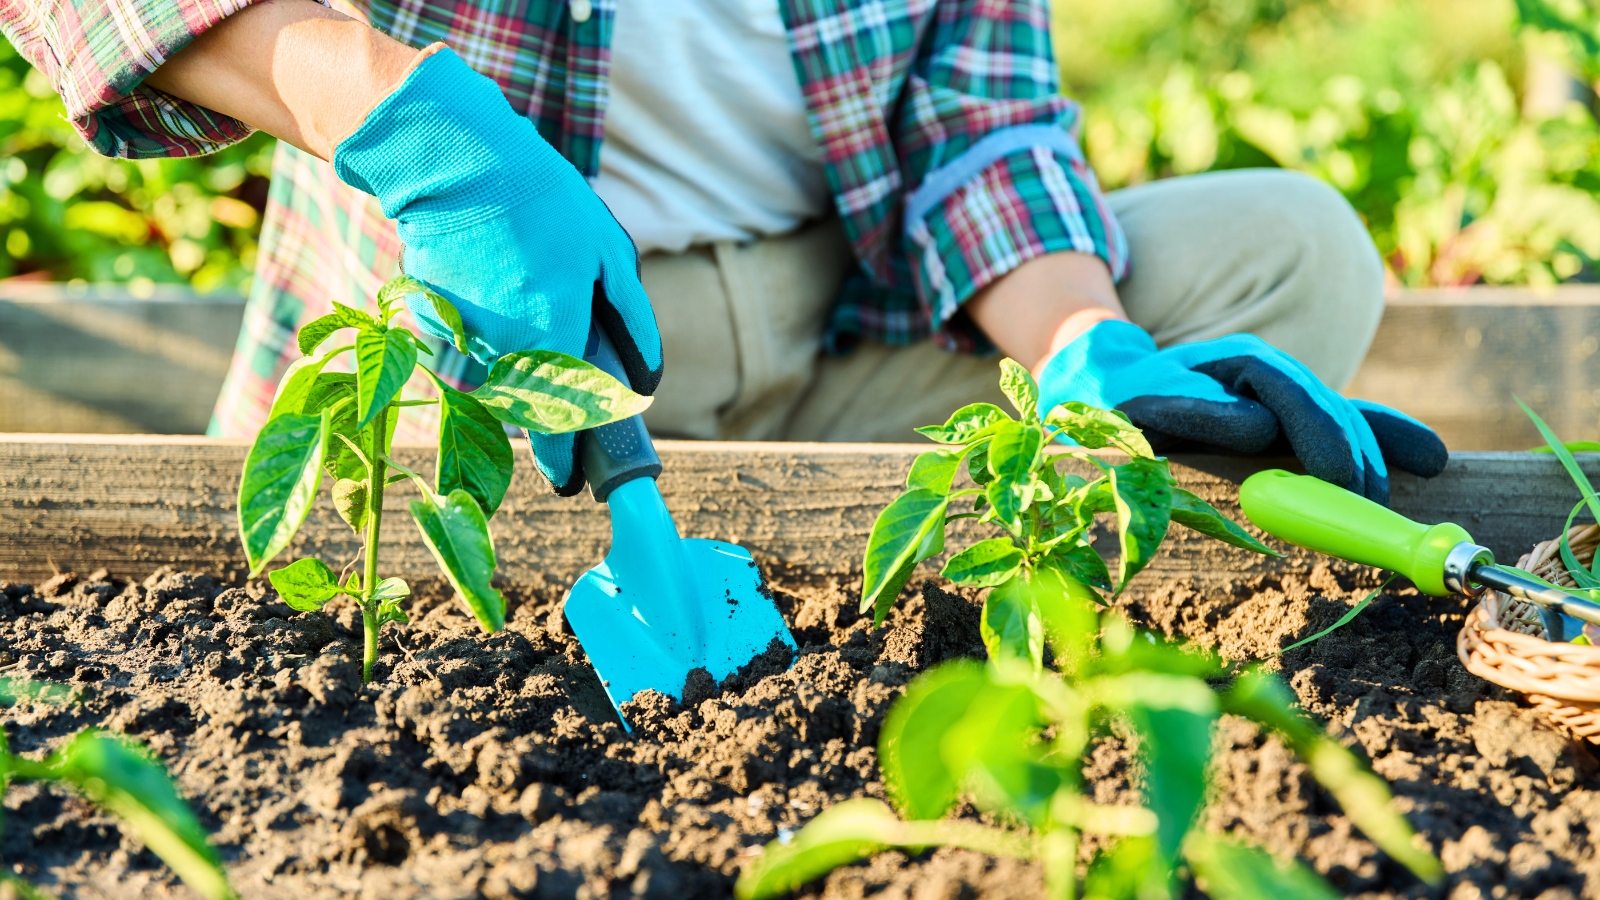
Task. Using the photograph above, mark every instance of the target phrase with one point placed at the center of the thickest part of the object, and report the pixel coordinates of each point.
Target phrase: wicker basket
(1504, 642)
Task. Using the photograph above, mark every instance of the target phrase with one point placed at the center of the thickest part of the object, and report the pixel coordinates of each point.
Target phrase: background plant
(67, 213)
(1010, 734)
(342, 424)
(123, 778)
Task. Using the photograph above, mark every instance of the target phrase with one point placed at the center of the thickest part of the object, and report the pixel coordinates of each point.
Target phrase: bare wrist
(1042, 305)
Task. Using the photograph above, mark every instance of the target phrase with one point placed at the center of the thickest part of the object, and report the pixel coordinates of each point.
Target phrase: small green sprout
(125, 780)
(342, 424)
(1010, 735)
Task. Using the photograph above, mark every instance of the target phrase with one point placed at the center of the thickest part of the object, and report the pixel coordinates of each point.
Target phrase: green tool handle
(1316, 515)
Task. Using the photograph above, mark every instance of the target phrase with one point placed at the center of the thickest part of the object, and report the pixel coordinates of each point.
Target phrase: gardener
(882, 184)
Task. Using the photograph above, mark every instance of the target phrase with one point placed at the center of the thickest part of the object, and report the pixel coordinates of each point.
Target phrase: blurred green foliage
(66, 213)
(1406, 106)
(1414, 109)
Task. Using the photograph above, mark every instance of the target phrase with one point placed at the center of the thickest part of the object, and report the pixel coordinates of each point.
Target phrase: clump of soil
(493, 766)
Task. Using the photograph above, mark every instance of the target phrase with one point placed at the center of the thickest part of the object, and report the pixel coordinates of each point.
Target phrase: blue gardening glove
(495, 220)
(1239, 393)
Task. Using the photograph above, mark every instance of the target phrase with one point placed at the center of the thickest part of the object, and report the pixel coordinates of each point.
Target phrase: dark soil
(494, 767)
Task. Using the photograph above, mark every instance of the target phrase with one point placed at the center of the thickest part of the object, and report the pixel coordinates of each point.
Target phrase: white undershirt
(705, 130)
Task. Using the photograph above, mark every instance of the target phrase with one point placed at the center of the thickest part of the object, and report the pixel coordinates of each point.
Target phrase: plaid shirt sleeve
(96, 53)
(990, 153)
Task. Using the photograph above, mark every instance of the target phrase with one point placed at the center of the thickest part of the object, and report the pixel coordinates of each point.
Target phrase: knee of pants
(1327, 297)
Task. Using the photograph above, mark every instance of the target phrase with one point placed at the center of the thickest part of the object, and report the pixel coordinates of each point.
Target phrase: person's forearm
(1040, 306)
(292, 68)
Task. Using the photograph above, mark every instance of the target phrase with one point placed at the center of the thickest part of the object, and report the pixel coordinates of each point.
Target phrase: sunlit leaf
(1094, 428)
(842, 834)
(124, 779)
(1229, 870)
(1017, 383)
(384, 361)
(281, 475)
(306, 584)
(1084, 563)
(313, 333)
(914, 770)
(1011, 624)
(553, 393)
(1192, 512)
(934, 471)
(984, 564)
(14, 689)
(457, 533)
(1143, 492)
(350, 501)
(909, 530)
(966, 424)
(1131, 869)
(1173, 715)
(1069, 609)
(474, 451)
(995, 752)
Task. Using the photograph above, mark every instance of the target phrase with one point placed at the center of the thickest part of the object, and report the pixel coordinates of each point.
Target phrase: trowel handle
(1319, 516)
(617, 453)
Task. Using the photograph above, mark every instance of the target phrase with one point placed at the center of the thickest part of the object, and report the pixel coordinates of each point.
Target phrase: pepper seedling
(342, 424)
(1045, 515)
(123, 778)
(1010, 735)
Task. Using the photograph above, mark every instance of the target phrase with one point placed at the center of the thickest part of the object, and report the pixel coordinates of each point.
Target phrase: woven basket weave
(1504, 642)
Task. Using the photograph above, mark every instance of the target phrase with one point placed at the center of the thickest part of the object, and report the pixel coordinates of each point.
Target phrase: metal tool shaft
(1524, 588)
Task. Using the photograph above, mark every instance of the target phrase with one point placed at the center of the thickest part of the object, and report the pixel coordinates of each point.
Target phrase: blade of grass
(1576, 473)
(1343, 620)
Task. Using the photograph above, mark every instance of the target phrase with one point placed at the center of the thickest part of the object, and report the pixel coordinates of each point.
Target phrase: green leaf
(350, 500)
(457, 532)
(398, 288)
(909, 530)
(553, 393)
(966, 424)
(1124, 649)
(328, 392)
(1083, 563)
(1582, 576)
(14, 689)
(1261, 697)
(934, 471)
(294, 390)
(984, 564)
(391, 589)
(1143, 492)
(914, 770)
(1173, 715)
(1095, 428)
(1574, 446)
(474, 450)
(306, 584)
(1229, 870)
(384, 362)
(1017, 383)
(281, 477)
(124, 779)
(1069, 609)
(1012, 625)
(1131, 869)
(1192, 512)
(1013, 451)
(978, 463)
(1567, 462)
(389, 611)
(22, 889)
(842, 834)
(995, 752)
(313, 333)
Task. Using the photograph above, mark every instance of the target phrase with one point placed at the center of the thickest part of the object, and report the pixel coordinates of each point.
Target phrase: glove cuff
(445, 144)
(1085, 368)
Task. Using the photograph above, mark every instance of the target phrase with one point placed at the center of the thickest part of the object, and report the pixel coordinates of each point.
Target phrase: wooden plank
(130, 505)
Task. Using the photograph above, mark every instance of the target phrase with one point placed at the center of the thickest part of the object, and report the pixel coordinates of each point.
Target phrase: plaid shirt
(951, 155)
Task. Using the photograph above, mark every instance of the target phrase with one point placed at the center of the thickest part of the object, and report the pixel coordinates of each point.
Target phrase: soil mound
(493, 766)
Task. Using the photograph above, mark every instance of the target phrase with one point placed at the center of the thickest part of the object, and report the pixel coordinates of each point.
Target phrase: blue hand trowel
(660, 605)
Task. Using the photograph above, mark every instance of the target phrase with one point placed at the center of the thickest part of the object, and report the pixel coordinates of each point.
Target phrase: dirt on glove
(494, 766)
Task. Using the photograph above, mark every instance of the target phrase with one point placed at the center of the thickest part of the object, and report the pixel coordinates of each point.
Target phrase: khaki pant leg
(701, 355)
(1261, 251)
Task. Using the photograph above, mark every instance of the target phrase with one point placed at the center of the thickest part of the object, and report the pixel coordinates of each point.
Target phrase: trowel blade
(630, 654)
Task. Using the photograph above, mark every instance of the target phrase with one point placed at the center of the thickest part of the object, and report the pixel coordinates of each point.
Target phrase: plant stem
(378, 431)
